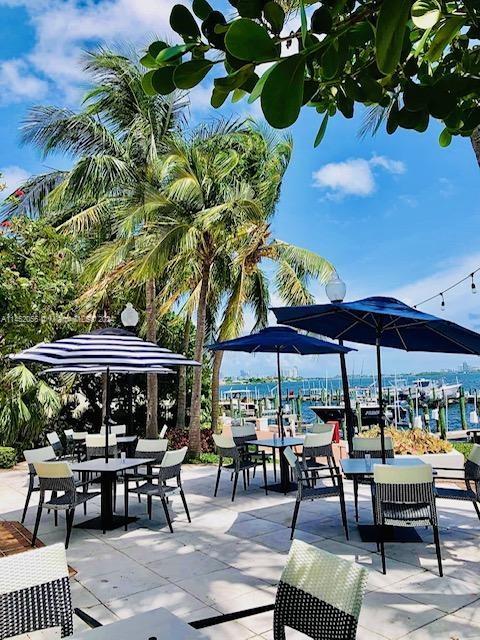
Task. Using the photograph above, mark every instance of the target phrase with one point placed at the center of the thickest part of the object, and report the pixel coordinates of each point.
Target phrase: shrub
(8, 457)
(463, 447)
(178, 438)
(412, 441)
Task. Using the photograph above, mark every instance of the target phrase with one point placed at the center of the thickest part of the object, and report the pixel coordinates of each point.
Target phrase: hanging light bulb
(442, 306)
(474, 288)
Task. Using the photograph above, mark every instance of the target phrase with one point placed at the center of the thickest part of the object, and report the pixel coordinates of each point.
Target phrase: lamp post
(336, 290)
(129, 318)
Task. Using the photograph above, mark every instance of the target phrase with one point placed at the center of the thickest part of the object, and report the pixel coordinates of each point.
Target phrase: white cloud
(17, 83)
(13, 177)
(64, 29)
(354, 176)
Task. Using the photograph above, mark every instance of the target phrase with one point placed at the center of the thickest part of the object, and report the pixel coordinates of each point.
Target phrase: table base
(279, 488)
(368, 533)
(96, 523)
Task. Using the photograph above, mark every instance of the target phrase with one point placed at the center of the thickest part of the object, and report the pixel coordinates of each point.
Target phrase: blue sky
(397, 215)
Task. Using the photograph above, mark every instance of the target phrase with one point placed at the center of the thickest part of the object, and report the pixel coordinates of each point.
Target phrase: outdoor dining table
(158, 624)
(281, 444)
(362, 467)
(108, 475)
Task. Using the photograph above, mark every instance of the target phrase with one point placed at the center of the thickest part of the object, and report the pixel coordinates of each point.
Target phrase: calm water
(470, 382)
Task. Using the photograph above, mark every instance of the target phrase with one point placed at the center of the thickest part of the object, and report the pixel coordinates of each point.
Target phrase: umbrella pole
(279, 381)
(107, 414)
(130, 404)
(346, 400)
(380, 399)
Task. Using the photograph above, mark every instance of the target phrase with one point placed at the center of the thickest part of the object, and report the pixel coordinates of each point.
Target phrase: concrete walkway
(232, 554)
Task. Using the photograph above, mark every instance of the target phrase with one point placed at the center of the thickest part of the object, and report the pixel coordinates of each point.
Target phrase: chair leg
(218, 480)
(248, 477)
(382, 546)
(436, 537)
(115, 495)
(274, 466)
(70, 514)
(294, 518)
(149, 507)
(37, 523)
(264, 465)
(344, 511)
(27, 502)
(476, 509)
(55, 517)
(139, 496)
(331, 466)
(244, 480)
(355, 495)
(235, 480)
(167, 515)
(182, 495)
(125, 502)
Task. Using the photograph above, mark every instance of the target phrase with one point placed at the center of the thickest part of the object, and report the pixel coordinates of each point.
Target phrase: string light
(441, 294)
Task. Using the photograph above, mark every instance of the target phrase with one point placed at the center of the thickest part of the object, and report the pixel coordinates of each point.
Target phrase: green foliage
(8, 457)
(463, 447)
(374, 53)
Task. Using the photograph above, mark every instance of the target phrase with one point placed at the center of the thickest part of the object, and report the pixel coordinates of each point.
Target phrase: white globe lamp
(129, 316)
(335, 288)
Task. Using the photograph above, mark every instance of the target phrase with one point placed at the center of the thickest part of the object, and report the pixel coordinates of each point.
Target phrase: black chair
(405, 497)
(308, 490)
(43, 454)
(241, 463)
(244, 433)
(471, 493)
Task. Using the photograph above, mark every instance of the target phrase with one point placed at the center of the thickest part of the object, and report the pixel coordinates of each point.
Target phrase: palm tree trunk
(195, 407)
(475, 138)
(217, 364)
(152, 385)
(182, 378)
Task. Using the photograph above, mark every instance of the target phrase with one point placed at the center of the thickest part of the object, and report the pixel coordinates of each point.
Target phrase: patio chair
(35, 592)
(56, 444)
(307, 491)
(147, 448)
(170, 468)
(405, 497)
(372, 447)
(116, 429)
(471, 493)
(241, 462)
(79, 439)
(163, 431)
(320, 427)
(319, 595)
(70, 443)
(35, 455)
(319, 445)
(242, 434)
(95, 446)
(57, 477)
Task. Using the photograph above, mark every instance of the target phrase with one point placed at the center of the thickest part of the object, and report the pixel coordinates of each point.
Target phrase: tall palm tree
(115, 141)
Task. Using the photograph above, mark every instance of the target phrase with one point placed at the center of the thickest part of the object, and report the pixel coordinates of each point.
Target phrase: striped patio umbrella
(104, 351)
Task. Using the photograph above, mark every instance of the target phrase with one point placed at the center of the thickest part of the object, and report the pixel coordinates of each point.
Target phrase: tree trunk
(182, 378)
(152, 383)
(475, 138)
(217, 364)
(196, 404)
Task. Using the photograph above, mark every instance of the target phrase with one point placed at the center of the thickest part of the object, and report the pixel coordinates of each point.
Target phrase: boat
(427, 389)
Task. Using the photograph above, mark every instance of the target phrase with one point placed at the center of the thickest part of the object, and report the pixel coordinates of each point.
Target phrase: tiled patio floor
(231, 557)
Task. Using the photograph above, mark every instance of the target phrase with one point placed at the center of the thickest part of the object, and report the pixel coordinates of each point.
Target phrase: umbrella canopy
(384, 322)
(106, 347)
(89, 369)
(393, 322)
(279, 340)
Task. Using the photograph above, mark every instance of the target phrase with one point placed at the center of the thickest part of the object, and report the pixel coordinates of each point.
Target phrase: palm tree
(116, 141)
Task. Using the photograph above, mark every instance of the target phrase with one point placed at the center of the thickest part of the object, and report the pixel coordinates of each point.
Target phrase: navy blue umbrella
(383, 322)
(279, 340)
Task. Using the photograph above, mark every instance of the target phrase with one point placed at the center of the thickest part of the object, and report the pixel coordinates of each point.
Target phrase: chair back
(163, 431)
(225, 445)
(321, 428)
(242, 434)
(292, 460)
(472, 468)
(95, 445)
(79, 435)
(55, 476)
(171, 464)
(148, 448)
(317, 444)
(319, 594)
(68, 433)
(38, 455)
(116, 429)
(35, 592)
(54, 441)
(372, 446)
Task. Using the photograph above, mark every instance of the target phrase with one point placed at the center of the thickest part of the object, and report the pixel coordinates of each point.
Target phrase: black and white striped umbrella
(104, 348)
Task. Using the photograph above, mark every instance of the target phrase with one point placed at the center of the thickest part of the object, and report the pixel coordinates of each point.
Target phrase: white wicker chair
(35, 455)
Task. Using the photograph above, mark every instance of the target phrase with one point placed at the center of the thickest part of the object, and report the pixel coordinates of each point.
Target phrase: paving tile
(122, 583)
(176, 567)
(171, 597)
(450, 627)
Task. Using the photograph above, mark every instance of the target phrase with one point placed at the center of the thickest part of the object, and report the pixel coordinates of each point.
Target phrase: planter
(453, 461)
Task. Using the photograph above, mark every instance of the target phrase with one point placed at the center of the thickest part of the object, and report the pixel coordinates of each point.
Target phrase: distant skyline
(397, 215)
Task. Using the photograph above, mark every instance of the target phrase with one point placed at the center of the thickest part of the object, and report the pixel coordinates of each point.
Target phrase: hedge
(8, 457)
